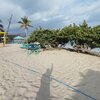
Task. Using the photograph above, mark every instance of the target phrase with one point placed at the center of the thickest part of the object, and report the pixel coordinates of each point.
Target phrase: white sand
(78, 70)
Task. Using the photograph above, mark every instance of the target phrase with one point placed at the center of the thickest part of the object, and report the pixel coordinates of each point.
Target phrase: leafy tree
(85, 33)
(69, 33)
(44, 36)
(82, 33)
(96, 35)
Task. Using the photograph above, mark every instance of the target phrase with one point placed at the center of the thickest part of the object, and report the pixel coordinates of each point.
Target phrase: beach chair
(34, 48)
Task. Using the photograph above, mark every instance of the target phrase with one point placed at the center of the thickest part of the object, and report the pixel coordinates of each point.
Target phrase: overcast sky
(49, 13)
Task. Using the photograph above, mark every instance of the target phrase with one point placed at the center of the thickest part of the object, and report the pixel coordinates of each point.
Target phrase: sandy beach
(19, 81)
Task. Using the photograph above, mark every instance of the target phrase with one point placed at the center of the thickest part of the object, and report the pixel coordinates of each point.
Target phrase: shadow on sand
(44, 90)
(90, 84)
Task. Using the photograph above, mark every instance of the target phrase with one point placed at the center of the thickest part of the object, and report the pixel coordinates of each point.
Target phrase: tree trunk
(26, 36)
(26, 33)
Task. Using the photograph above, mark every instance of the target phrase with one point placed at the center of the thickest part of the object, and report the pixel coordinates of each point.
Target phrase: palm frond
(25, 22)
(30, 25)
(22, 26)
(20, 22)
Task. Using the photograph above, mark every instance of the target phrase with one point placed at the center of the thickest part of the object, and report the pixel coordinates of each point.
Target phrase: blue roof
(18, 38)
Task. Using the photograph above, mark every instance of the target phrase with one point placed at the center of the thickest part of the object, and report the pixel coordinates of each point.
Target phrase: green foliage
(44, 36)
(80, 33)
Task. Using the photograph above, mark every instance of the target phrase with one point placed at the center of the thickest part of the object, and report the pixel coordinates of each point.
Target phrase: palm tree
(25, 23)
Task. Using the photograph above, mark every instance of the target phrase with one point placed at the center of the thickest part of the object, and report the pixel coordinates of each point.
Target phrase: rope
(53, 78)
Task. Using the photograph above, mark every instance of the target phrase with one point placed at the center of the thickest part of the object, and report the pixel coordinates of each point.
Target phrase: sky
(49, 13)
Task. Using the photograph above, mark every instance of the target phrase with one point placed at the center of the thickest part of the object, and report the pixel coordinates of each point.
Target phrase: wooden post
(4, 39)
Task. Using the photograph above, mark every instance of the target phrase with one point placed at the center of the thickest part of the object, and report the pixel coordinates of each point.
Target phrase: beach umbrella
(18, 38)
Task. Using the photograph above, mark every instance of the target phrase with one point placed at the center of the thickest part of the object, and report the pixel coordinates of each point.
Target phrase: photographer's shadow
(90, 85)
(44, 90)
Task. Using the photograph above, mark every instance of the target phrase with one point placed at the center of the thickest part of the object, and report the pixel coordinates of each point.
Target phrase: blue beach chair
(34, 48)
